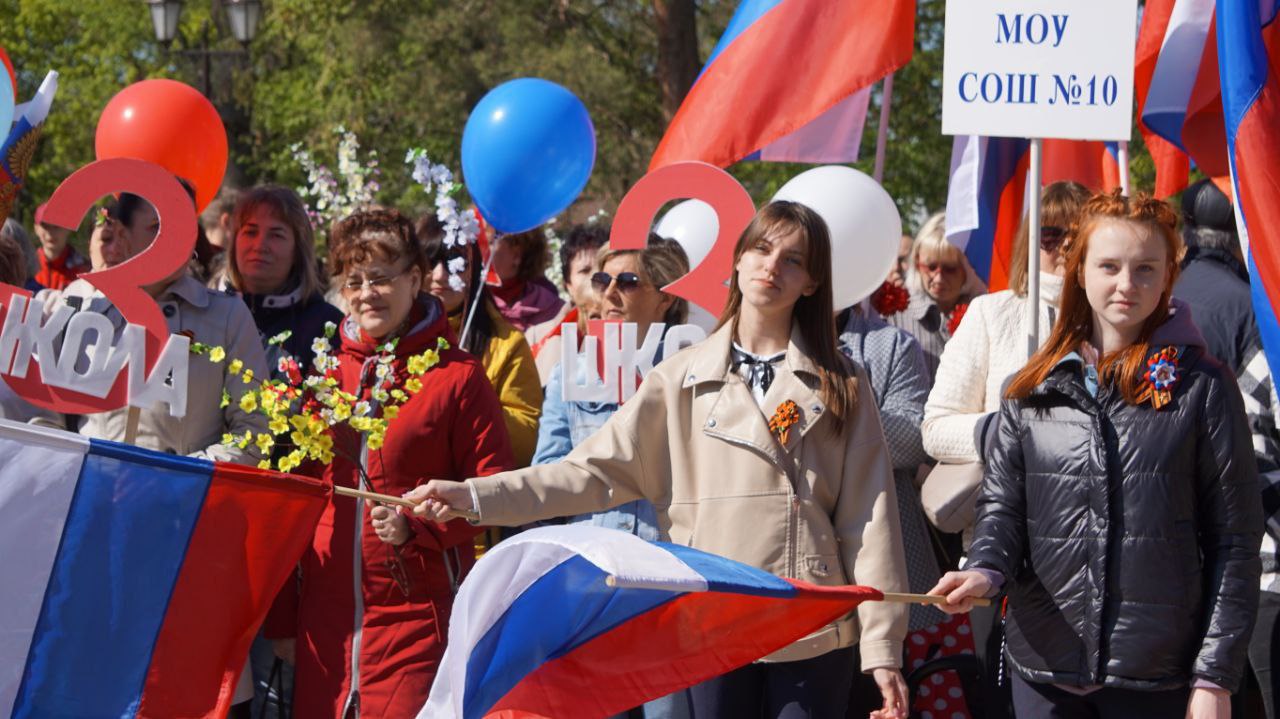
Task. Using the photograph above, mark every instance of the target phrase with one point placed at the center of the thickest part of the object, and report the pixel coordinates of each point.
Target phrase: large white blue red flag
(783, 66)
(1249, 60)
(134, 581)
(1179, 89)
(581, 621)
(986, 197)
(1171, 163)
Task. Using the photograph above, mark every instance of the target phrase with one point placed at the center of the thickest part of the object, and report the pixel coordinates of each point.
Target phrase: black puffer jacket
(1128, 536)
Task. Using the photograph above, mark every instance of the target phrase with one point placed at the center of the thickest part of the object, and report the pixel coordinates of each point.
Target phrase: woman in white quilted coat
(988, 347)
(990, 343)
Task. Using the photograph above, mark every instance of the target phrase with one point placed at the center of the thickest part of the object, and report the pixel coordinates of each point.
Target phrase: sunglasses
(627, 281)
(1051, 237)
(933, 268)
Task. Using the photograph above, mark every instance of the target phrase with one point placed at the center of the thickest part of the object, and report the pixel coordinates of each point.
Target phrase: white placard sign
(1039, 68)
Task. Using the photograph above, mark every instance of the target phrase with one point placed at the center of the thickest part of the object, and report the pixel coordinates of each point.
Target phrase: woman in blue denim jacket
(626, 290)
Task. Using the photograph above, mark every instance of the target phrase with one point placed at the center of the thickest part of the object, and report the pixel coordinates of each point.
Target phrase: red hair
(1125, 366)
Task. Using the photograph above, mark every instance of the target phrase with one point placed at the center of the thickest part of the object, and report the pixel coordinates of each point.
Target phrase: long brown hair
(813, 313)
(1124, 367)
(1060, 203)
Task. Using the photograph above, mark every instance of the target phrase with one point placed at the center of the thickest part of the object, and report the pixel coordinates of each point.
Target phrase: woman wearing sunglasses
(991, 343)
(502, 349)
(626, 289)
(988, 347)
(941, 284)
(377, 585)
(760, 444)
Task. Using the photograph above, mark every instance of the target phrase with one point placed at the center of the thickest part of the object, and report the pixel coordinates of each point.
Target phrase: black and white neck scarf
(756, 370)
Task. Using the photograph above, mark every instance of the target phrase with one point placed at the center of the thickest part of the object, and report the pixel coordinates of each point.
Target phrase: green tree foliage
(405, 73)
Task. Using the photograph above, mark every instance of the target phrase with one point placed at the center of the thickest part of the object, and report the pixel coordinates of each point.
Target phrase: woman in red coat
(377, 585)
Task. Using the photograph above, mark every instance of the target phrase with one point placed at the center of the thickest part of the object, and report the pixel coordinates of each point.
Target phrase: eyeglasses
(380, 285)
(627, 281)
(933, 268)
(1051, 238)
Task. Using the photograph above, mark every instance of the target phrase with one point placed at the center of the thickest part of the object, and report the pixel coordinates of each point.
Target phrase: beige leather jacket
(693, 441)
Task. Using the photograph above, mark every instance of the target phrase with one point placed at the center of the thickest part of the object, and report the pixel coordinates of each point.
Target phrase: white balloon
(702, 319)
(864, 224)
(693, 224)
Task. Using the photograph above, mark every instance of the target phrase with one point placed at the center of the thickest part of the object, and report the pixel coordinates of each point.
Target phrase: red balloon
(171, 124)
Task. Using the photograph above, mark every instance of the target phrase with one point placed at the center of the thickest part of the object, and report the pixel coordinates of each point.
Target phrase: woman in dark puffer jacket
(1120, 507)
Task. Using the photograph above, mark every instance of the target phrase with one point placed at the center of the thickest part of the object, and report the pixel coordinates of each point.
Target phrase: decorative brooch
(890, 299)
(787, 415)
(1161, 376)
(957, 314)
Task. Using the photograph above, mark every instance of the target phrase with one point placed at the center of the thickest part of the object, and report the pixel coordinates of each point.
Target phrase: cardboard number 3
(121, 284)
(705, 284)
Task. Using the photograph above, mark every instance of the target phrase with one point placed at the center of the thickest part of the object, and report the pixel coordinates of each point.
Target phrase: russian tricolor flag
(134, 581)
(1249, 59)
(1179, 89)
(782, 65)
(986, 197)
(1171, 163)
(581, 621)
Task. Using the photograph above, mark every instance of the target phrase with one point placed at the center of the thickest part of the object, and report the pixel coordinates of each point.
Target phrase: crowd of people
(1108, 481)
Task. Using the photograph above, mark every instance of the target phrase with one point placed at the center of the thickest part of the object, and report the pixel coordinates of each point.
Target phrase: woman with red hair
(1120, 508)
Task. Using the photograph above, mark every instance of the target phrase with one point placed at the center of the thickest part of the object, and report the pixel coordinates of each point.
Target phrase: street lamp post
(242, 16)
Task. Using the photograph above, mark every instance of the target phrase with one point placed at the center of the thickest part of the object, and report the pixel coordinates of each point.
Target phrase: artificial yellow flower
(413, 384)
(278, 425)
(374, 441)
(264, 464)
(217, 354)
(390, 412)
(226, 400)
(248, 376)
(249, 402)
(341, 411)
(235, 366)
(228, 438)
(289, 461)
(265, 443)
(270, 402)
(417, 364)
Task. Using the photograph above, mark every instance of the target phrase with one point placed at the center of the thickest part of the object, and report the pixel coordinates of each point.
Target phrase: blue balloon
(527, 152)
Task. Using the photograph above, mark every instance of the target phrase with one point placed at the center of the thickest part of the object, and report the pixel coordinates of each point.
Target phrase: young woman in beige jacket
(815, 502)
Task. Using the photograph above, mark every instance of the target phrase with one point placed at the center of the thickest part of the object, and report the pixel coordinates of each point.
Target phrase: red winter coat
(452, 429)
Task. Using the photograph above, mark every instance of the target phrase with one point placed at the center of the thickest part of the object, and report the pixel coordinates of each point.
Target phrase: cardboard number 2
(123, 283)
(704, 284)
